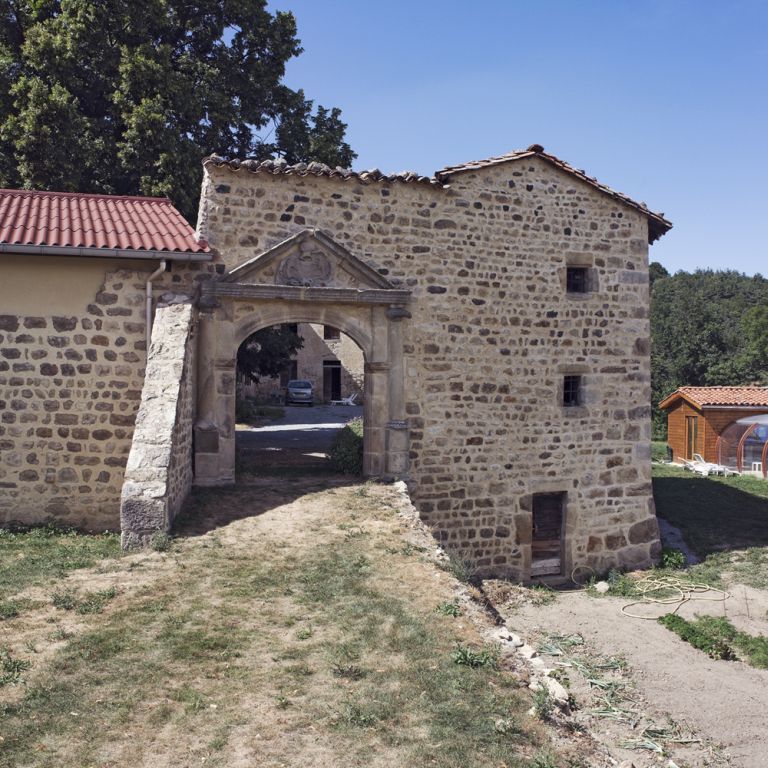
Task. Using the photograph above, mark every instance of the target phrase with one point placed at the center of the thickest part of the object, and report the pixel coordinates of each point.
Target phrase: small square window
(577, 280)
(329, 332)
(571, 391)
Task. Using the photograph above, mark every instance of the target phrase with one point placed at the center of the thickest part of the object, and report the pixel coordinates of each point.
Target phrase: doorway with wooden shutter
(547, 534)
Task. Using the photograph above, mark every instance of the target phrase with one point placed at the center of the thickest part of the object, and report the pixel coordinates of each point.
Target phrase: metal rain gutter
(103, 253)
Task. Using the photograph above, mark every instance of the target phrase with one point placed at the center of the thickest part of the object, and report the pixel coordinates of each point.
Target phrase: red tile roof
(709, 397)
(75, 220)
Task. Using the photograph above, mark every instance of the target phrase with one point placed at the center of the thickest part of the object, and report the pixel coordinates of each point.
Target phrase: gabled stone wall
(492, 335)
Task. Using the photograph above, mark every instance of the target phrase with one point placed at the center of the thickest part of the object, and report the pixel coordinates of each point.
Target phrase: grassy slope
(245, 650)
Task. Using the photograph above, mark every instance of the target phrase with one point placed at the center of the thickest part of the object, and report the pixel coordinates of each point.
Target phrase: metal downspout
(159, 271)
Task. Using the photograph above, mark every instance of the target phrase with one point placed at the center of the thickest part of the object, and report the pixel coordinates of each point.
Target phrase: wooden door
(691, 435)
(547, 534)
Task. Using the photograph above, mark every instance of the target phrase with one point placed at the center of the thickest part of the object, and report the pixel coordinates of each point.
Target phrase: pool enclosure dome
(743, 445)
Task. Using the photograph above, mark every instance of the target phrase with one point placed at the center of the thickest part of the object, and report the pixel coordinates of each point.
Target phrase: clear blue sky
(664, 100)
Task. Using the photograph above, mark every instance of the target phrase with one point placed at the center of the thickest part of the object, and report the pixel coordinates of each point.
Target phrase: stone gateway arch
(307, 278)
(502, 308)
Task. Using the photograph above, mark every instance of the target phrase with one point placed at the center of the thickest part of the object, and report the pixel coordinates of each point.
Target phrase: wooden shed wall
(676, 436)
(712, 422)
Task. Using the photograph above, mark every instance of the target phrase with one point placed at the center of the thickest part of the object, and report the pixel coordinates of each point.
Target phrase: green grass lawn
(45, 554)
(717, 516)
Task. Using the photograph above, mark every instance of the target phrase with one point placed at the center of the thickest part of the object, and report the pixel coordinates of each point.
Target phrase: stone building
(329, 359)
(501, 308)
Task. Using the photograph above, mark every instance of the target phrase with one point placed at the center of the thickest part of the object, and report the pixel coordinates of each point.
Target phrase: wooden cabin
(697, 416)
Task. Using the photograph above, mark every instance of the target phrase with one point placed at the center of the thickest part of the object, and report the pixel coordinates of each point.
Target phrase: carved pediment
(309, 259)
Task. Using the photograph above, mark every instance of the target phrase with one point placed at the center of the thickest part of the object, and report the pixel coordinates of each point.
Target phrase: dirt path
(725, 703)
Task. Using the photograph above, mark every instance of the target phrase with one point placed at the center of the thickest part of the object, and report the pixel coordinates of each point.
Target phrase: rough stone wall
(492, 334)
(158, 476)
(70, 386)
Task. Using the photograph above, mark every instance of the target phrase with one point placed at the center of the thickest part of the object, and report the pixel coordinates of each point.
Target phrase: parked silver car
(299, 391)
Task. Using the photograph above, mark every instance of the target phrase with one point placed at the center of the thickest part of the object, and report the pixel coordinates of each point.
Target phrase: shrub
(672, 558)
(244, 411)
(346, 453)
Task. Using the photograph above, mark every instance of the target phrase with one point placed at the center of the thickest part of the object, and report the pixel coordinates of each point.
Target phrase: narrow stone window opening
(572, 391)
(577, 280)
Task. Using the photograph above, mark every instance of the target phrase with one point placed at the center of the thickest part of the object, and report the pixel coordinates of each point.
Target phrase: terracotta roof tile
(704, 397)
(657, 224)
(75, 220)
(281, 167)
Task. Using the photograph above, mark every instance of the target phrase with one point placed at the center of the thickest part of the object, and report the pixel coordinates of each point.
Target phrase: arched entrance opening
(297, 386)
(306, 279)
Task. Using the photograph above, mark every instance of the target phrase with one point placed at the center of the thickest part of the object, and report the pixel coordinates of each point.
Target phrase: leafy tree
(707, 329)
(267, 352)
(655, 272)
(127, 96)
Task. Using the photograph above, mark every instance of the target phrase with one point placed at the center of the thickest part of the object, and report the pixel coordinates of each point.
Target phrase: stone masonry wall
(158, 476)
(492, 334)
(69, 390)
(70, 385)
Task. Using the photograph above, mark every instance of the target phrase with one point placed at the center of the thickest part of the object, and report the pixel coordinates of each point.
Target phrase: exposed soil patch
(663, 681)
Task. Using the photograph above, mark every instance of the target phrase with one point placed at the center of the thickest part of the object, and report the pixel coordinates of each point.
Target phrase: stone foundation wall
(492, 335)
(158, 477)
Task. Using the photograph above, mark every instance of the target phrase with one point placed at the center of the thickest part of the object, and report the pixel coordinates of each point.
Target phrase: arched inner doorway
(298, 386)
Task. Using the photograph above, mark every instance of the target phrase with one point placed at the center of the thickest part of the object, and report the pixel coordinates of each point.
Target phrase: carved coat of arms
(309, 268)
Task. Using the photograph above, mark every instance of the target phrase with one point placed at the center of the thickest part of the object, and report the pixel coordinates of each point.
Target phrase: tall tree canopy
(707, 329)
(127, 96)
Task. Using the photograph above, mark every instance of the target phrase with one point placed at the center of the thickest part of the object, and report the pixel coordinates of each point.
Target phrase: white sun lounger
(346, 400)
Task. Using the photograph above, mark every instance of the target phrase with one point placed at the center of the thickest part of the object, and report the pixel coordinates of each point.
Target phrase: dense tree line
(707, 329)
(127, 96)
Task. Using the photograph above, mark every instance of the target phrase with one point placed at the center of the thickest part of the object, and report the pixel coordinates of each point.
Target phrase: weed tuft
(461, 569)
(8, 610)
(304, 633)
(11, 668)
(449, 609)
(348, 671)
(94, 602)
(354, 714)
(160, 541)
(543, 705)
(467, 657)
(64, 599)
(673, 559)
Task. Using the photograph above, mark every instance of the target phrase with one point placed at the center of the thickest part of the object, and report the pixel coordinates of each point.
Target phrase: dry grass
(282, 628)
